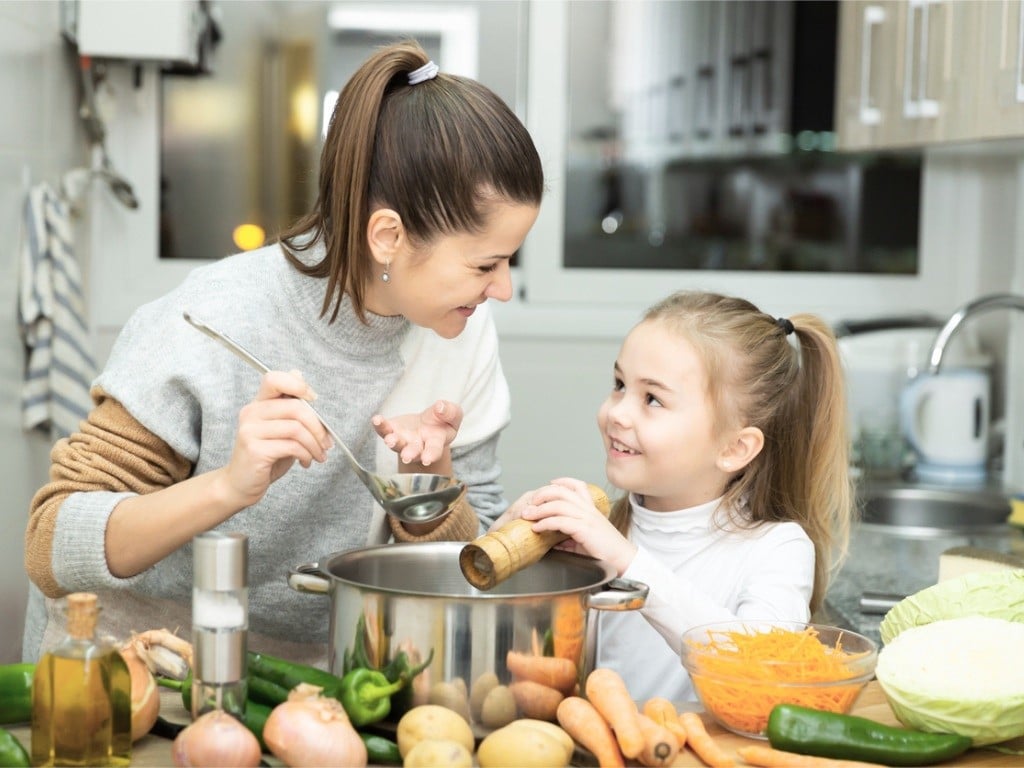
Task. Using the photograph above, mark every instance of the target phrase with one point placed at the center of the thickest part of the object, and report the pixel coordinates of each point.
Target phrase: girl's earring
(386, 277)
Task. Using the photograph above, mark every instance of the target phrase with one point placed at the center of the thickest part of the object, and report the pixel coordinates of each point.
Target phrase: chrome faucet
(977, 306)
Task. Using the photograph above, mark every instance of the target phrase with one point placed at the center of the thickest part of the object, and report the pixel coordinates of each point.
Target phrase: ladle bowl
(414, 497)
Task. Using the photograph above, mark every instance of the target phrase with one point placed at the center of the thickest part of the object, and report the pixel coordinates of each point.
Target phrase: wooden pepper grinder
(490, 559)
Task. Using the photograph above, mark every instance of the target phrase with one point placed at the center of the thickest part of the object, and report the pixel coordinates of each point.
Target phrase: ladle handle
(248, 357)
(490, 559)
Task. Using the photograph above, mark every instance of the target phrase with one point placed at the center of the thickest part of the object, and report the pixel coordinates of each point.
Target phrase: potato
(451, 695)
(439, 753)
(551, 729)
(499, 707)
(432, 721)
(521, 747)
(478, 692)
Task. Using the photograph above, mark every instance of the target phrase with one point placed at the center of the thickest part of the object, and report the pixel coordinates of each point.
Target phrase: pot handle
(619, 595)
(308, 578)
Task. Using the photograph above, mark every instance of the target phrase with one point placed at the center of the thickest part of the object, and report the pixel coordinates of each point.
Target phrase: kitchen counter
(153, 750)
(884, 559)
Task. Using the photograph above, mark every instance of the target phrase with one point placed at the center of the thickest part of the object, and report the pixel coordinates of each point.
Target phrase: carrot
(663, 712)
(699, 740)
(536, 700)
(736, 682)
(660, 745)
(567, 628)
(766, 757)
(551, 671)
(607, 691)
(585, 724)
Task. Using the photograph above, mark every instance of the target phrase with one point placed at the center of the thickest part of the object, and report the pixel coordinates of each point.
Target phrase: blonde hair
(439, 153)
(795, 394)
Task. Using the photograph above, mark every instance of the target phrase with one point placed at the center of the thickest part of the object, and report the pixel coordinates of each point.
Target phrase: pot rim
(603, 572)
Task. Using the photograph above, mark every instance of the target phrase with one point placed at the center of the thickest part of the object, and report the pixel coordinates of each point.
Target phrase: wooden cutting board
(152, 750)
(871, 704)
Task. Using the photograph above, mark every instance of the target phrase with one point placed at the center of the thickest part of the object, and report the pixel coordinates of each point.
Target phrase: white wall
(39, 140)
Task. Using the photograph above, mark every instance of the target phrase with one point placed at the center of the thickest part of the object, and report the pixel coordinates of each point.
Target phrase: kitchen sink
(933, 510)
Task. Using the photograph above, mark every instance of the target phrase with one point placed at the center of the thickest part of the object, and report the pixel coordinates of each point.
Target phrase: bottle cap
(220, 561)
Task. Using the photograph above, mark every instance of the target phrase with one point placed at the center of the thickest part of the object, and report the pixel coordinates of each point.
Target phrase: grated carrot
(741, 676)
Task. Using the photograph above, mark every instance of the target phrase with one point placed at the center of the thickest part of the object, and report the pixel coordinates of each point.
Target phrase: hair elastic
(785, 324)
(427, 72)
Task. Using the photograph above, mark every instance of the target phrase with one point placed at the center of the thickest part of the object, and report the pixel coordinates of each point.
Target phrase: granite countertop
(885, 559)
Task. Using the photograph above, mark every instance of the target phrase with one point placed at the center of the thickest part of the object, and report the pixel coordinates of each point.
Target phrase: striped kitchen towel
(51, 311)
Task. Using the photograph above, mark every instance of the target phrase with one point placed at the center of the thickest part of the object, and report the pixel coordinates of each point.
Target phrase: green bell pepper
(846, 737)
(366, 695)
(16, 693)
(12, 753)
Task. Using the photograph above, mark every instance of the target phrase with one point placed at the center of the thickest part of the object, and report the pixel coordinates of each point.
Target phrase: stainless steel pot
(414, 597)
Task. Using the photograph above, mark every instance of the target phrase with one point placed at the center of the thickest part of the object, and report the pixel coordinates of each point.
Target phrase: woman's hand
(422, 438)
(274, 431)
(567, 506)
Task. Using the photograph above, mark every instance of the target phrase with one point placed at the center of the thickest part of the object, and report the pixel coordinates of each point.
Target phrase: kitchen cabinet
(701, 78)
(923, 72)
(998, 26)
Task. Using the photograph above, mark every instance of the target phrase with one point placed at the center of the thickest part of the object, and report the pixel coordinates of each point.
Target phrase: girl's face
(658, 423)
(441, 286)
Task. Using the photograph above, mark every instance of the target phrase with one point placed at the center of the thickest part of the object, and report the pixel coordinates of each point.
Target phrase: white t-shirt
(699, 573)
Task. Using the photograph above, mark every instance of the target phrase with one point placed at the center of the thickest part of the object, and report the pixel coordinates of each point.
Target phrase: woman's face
(440, 287)
(658, 422)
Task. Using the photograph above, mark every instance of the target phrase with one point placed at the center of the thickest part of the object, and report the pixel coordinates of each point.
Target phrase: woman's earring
(386, 277)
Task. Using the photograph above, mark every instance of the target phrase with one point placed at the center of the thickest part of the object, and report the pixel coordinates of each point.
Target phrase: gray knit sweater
(188, 390)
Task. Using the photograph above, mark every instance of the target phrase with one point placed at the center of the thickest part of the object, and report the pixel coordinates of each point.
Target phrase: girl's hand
(567, 506)
(514, 511)
(421, 438)
(274, 431)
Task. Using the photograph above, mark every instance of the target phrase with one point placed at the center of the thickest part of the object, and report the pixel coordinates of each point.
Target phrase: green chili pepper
(366, 695)
(380, 751)
(16, 693)
(846, 737)
(12, 753)
(288, 674)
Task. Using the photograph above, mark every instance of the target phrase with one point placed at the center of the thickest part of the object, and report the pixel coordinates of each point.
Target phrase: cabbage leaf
(996, 594)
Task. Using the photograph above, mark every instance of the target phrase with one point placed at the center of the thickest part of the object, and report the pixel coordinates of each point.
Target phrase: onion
(145, 694)
(312, 731)
(216, 740)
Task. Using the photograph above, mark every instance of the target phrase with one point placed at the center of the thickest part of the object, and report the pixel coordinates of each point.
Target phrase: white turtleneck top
(697, 574)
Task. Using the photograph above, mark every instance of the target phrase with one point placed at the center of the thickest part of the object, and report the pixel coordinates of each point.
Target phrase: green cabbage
(936, 680)
(997, 594)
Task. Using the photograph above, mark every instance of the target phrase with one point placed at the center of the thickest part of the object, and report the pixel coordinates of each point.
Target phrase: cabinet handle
(917, 54)
(1020, 54)
(874, 15)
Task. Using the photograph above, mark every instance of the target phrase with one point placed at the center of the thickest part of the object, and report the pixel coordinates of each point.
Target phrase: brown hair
(795, 396)
(437, 153)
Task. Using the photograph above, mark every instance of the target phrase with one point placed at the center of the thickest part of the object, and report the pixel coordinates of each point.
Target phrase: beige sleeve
(462, 524)
(111, 452)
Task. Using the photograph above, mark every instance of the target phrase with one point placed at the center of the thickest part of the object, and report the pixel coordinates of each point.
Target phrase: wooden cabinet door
(869, 62)
(998, 110)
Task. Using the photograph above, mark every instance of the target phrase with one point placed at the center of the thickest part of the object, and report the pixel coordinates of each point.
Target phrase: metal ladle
(414, 497)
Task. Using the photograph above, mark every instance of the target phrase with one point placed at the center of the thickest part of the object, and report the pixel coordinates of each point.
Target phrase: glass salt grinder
(220, 620)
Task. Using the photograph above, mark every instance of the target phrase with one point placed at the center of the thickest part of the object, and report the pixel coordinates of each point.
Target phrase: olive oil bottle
(81, 696)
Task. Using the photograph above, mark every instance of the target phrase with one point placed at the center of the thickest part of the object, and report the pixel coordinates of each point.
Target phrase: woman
(428, 186)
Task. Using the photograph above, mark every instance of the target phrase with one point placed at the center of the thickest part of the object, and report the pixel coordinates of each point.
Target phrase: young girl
(731, 442)
(428, 186)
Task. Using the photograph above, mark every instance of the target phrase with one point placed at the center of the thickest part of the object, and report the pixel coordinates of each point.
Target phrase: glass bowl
(741, 669)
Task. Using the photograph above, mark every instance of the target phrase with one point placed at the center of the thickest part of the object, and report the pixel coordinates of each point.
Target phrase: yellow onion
(312, 731)
(215, 740)
(145, 694)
